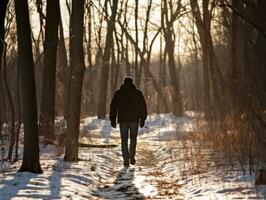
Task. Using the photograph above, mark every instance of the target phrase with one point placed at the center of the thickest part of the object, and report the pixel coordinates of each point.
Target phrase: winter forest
(201, 67)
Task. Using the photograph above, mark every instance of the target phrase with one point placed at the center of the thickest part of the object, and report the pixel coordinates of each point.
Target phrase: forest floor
(170, 165)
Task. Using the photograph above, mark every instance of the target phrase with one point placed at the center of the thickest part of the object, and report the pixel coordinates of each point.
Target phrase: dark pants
(125, 128)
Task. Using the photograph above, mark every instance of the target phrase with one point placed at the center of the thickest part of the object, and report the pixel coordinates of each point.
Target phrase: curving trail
(145, 180)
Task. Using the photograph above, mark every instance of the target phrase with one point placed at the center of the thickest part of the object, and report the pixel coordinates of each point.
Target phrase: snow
(169, 166)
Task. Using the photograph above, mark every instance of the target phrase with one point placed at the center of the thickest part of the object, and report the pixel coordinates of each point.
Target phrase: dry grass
(235, 138)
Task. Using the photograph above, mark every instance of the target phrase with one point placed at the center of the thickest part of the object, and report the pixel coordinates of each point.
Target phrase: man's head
(128, 80)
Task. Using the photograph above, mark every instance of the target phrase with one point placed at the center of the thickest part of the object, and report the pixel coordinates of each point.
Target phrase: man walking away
(129, 108)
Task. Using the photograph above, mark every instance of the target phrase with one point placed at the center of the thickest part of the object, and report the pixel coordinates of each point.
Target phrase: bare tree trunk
(160, 75)
(176, 96)
(118, 61)
(19, 122)
(146, 49)
(77, 67)
(167, 27)
(90, 68)
(3, 8)
(89, 34)
(124, 44)
(63, 65)
(137, 70)
(25, 61)
(128, 71)
(47, 113)
(205, 56)
(164, 74)
(3, 64)
(12, 107)
(234, 40)
(198, 97)
(40, 38)
(114, 66)
(106, 62)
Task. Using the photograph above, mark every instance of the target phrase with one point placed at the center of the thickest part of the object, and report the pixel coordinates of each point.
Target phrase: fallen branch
(98, 145)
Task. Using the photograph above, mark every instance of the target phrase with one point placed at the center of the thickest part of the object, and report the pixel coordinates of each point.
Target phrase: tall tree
(77, 70)
(88, 89)
(63, 65)
(25, 63)
(4, 82)
(200, 29)
(106, 62)
(169, 16)
(211, 72)
(47, 113)
(137, 70)
(3, 7)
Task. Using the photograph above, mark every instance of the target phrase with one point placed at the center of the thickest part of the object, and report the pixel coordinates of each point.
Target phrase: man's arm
(143, 108)
(113, 110)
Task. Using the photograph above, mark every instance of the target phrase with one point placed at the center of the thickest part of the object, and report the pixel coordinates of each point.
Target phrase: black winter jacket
(129, 104)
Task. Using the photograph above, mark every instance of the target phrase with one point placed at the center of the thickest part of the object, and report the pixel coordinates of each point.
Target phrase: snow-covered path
(100, 173)
(169, 166)
(142, 181)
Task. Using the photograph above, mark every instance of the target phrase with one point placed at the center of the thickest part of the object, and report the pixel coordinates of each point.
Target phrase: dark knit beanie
(128, 80)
